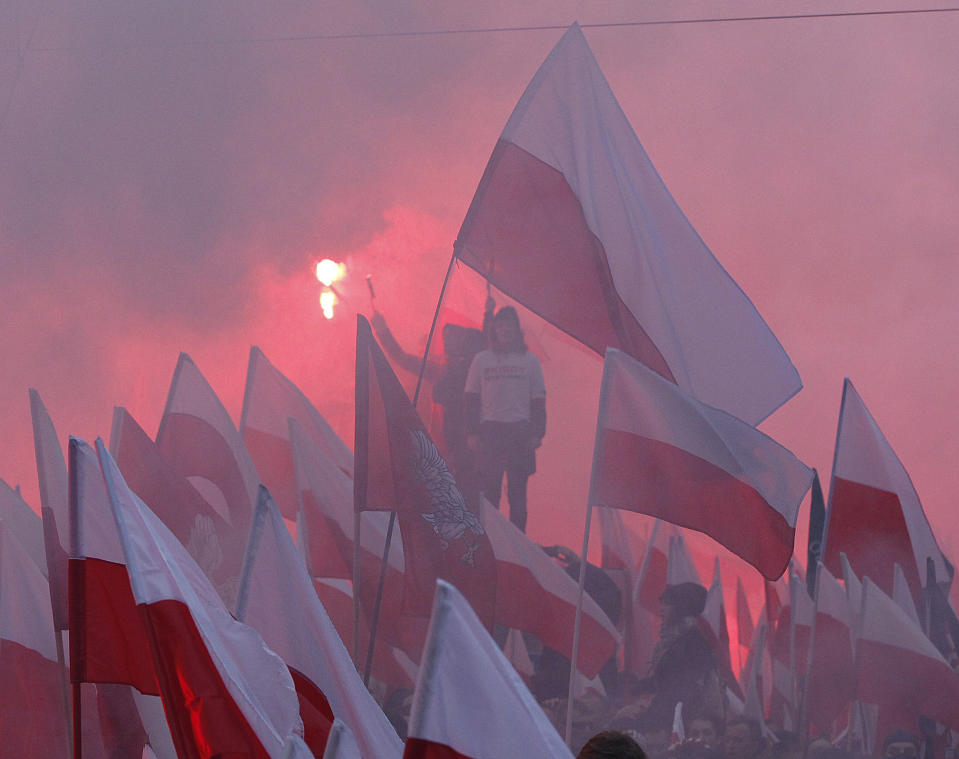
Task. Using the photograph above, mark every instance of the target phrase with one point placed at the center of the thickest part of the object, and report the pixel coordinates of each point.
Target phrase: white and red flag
(224, 692)
(278, 600)
(535, 595)
(469, 703)
(199, 440)
(716, 630)
(572, 220)
(33, 721)
(269, 401)
(874, 515)
(659, 451)
(899, 668)
(398, 468)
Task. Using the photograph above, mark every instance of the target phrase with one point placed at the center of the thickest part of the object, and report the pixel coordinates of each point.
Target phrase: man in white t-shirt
(506, 413)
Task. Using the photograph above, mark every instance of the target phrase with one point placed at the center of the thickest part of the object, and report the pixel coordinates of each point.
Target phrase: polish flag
(832, 674)
(269, 402)
(198, 439)
(224, 691)
(108, 643)
(278, 600)
(875, 516)
(33, 720)
(899, 667)
(572, 220)
(659, 451)
(535, 595)
(52, 475)
(469, 703)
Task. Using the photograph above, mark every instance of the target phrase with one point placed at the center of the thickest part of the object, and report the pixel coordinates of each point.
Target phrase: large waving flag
(875, 516)
(198, 439)
(900, 669)
(572, 220)
(659, 451)
(269, 401)
(535, 595)
(277, 599)
(33, 721)
(469, 702)
(224, 692)
(398, 468)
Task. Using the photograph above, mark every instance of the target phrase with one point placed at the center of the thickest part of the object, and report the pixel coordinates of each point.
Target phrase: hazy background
(171, 172)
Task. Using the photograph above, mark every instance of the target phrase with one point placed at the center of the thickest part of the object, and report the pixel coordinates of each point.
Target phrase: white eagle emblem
(450, 518)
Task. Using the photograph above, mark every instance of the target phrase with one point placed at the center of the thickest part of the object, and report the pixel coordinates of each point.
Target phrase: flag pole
(374, 622)
(574, 658)
(832, 477)
(807, 678)
(76, 597)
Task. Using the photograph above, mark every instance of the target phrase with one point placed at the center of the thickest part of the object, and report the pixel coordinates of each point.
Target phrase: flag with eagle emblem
(399, 468)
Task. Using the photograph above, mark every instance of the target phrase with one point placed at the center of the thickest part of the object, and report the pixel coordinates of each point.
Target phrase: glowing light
(329, 271)
(328, 299)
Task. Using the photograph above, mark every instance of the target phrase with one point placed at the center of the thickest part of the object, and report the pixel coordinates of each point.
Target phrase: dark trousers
(505, 449)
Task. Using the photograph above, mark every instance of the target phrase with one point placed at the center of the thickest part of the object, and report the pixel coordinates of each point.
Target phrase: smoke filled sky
(171, 172)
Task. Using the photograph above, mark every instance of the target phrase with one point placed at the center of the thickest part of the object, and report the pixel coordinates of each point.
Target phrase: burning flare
(329, 271)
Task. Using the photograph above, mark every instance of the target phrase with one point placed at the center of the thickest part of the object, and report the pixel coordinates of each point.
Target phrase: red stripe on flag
(31, 707)
(204, 719)
(662, 480)
(108, 643)
(526, 219)
(867, 524)
(315, 712)
(273, 457)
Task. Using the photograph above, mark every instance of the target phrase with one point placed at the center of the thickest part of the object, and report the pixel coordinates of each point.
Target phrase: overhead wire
(324, 37)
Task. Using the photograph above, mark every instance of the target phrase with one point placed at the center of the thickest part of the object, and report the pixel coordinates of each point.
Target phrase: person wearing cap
(505, 398)
(683, 666)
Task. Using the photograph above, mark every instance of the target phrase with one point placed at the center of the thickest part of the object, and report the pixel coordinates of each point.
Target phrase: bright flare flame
(329, 271)
(327, 301)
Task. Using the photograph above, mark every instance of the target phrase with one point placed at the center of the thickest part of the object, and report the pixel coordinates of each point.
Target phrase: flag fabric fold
(659, 451)
(572, 220)
(469, 702)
